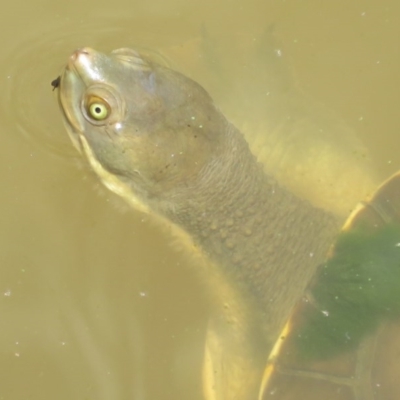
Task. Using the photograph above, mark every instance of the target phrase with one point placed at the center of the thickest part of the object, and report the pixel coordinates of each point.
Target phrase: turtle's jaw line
(74, 80)
(70, 110)
(72, 130)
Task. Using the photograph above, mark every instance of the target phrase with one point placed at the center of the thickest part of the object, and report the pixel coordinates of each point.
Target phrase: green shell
(353, 295)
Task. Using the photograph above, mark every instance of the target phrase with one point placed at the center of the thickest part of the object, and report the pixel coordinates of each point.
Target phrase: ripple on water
(29, 106)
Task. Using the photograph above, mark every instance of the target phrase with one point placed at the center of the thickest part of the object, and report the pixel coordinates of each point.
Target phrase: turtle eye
(102, 105)
(97, 108)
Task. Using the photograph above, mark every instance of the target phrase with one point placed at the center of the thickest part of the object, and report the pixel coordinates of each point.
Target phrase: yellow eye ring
(97, 108)
(98, 111)
(101, 105)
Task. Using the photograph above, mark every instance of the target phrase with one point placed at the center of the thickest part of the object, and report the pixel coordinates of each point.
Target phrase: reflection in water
(75, 324)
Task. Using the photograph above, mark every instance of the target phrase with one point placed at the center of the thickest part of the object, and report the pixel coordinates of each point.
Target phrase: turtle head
(141, 125)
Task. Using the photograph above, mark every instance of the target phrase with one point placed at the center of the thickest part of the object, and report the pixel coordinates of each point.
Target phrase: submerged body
(155, 138)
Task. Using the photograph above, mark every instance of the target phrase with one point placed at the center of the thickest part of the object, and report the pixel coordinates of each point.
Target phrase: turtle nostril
(79, 53)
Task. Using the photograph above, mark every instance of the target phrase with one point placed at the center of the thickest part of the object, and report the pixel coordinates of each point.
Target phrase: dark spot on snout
(56, 82)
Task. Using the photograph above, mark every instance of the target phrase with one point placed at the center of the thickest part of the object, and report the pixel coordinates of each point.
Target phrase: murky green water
(96, 302)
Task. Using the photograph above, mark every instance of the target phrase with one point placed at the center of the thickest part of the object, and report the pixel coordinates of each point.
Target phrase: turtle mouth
(71, 124)
(69, 86)
(68, 95)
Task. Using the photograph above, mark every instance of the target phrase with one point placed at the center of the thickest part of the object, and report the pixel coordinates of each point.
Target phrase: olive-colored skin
(156, 138)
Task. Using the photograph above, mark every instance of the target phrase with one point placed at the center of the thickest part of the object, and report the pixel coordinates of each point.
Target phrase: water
(96, 301)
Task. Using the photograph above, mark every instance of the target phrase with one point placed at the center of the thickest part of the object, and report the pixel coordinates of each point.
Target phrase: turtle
(156, 138)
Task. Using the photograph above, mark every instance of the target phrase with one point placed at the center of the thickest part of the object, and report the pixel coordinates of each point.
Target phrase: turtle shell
(342, 340)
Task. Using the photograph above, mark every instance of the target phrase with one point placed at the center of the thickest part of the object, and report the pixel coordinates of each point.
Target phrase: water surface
(97, 303)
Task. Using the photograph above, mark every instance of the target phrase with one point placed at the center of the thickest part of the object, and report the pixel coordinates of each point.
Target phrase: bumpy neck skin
(263, 243)
(264, 240)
